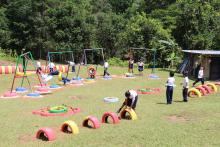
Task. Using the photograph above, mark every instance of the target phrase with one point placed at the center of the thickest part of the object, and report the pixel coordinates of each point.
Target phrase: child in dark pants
(200, 77)
(170, 85)
(130, 100)
(185, 86)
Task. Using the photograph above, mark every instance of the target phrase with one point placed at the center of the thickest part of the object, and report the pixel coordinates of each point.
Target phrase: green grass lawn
(192, 124)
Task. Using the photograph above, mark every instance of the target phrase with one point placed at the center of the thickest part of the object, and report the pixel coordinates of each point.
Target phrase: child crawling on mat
(131, 98)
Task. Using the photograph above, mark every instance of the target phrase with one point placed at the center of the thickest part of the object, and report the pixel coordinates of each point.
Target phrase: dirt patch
(26, 138)
(77, 97)
(178, 118)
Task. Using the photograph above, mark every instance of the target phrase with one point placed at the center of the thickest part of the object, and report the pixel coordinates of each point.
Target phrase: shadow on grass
(160, 103)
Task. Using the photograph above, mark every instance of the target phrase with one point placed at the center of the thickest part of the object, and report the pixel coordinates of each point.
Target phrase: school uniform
(73, 66)
(39, 69)
(132, 100)
(200, 77)
(51, 66)
(131, 65)
(185, 88)
(140, 66)
(169, 91)
(106, 69)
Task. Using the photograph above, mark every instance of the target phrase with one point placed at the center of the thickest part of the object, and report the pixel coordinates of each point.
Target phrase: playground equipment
(202, 90)
(56, 111)
(112, 115)
(131, 113)
(24, 58)
(93, 120)
(46, 134)
(111, 99)
(70, 127)
(194, 92)
(99, 55)
(149, 91)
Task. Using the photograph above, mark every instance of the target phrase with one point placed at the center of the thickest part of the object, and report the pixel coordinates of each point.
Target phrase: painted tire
(94, 120)
(46, 134)
(114, 117)
(71, 125)
(194, 91)
(60, 76)
(207, 88)
(58, 109)
(111, 99)
(21, 89)
(217, 84)
(131, 113)
(212, 86)
(54, 86)
(201, 90)
(21, 74)
(33, 94)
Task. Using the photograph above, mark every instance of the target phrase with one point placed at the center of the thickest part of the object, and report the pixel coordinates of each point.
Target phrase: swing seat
(22, 74)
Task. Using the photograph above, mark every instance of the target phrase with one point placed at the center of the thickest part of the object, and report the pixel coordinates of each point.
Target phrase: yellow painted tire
(213, 86)
(131, 112)
(22, 73)
(71, 125)
(60, 76)
(196, 91)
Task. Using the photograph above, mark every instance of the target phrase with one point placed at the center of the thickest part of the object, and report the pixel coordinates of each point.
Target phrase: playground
(155, 123)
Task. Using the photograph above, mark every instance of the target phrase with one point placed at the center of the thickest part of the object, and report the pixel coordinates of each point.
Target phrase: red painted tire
(46, 134)
(114, 117)
(202, 90)
(94, 120)
(208, 89)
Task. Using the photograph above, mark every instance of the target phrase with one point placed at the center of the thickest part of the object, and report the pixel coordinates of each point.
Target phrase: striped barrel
(61, 68)
(8, 69)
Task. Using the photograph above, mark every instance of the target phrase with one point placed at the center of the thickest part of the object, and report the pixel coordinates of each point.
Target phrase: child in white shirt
(200, 76)
(106, 69)
(185, 86)
(170, 85)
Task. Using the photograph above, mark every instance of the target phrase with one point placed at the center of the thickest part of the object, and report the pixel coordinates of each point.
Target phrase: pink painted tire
(94, 120)
(202, 90)
(46, 134)
(114, 117)
(208, 89)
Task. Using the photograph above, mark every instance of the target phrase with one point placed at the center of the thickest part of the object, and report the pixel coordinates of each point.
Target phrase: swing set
(25, 58)
(99, 52)
(63, 59)
(144, 51)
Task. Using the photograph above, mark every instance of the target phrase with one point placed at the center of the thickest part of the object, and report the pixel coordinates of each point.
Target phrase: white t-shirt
(72, 63)
(106, 65)
(140, 64)
(201, 74)
(186, 82)
(170, 81)
(51, 65)
(38, 64)
(133, 95)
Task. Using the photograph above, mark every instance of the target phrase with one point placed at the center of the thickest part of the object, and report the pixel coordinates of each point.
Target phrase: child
(141, 67)
(131, 65)
(73, 65)
(131, 98)
(200, 77)
(106, 69)
(51, 66)
(39, 69)
(92, 72)
(170, 85)
(185, 86)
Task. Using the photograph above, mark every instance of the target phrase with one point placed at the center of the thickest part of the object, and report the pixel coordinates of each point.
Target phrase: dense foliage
(165, 25)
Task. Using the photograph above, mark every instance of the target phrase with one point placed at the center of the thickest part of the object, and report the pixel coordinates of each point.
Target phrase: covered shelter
(209, 59)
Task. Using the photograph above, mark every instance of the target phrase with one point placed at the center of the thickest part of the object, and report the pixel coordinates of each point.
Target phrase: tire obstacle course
(202, 90)
(70, 127)
(149, 91)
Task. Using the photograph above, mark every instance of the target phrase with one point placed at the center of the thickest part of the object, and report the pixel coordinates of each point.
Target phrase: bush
(117, 62)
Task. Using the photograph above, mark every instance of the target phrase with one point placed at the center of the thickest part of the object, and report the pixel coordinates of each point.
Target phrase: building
(209, 59)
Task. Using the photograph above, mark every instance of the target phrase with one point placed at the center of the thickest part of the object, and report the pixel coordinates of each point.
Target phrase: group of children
(131, 66)
(170, 85)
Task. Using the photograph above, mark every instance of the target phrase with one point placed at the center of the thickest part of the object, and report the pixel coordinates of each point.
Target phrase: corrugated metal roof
(203, 52)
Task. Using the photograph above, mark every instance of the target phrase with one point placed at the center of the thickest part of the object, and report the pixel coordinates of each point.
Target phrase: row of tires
(70, 127)
(203, 90)
(11, 69)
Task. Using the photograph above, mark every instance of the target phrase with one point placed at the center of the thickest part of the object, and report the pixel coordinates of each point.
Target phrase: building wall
(206, 64)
